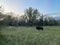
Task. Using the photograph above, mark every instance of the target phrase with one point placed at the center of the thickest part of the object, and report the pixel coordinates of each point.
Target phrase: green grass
(30, 36)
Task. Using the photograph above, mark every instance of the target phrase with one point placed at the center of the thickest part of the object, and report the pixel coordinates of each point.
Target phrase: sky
(44, 6)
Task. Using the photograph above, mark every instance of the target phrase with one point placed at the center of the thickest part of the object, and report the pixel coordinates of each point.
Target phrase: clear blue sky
(44, 6)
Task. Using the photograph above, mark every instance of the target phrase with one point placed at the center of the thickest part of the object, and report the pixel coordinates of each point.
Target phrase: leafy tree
(28, 13)
(52, 21)
(7, 20)
(1, 15)
(36, 14)
(31, 15)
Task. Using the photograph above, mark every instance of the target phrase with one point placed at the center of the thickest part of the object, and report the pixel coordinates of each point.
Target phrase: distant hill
(57, 18)
(54, 15)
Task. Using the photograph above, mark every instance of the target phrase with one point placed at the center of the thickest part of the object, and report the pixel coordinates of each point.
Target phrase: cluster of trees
(31, 17)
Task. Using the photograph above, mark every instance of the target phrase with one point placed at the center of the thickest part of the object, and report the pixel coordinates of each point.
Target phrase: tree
(28, 13)
(46, 21)
(31, 15)
(1, 15)
(7, 20)
(36, 14)
(52, 21)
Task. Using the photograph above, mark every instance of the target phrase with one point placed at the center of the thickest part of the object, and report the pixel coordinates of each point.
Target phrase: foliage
(31, 17)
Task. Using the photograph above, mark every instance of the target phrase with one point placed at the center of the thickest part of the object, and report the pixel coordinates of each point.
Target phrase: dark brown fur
(39, 28)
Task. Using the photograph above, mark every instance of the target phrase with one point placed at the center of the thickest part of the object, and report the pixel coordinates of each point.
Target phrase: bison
(39, 28)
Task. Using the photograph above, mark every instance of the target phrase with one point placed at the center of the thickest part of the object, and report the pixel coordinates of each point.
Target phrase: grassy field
(30, 36)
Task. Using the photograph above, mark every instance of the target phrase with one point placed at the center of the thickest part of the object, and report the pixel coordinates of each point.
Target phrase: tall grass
(30, 36)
